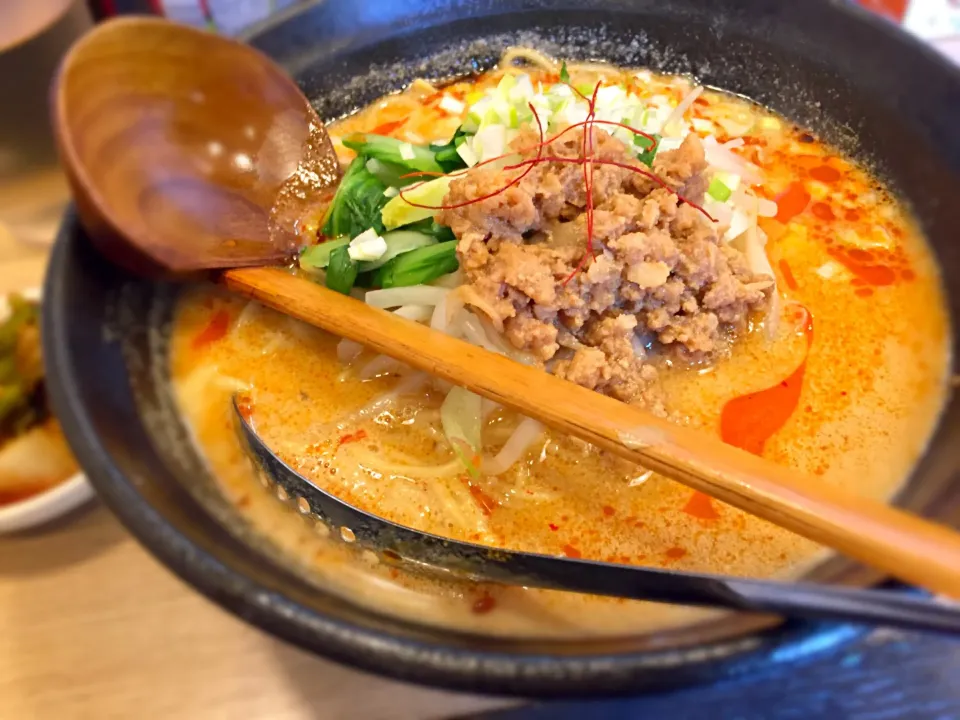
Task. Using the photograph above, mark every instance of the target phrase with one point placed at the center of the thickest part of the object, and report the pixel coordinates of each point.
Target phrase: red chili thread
(587, 153)
(587, 160)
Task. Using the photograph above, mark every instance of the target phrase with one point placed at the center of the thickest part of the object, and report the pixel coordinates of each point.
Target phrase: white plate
(59, 499)
(50, 504)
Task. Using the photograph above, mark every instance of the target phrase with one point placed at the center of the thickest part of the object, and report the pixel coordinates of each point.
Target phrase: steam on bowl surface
(138, 452)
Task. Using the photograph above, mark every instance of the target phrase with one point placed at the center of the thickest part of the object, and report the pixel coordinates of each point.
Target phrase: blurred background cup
(34, 35)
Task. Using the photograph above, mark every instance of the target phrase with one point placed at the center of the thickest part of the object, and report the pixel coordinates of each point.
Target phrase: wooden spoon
(177, 143)
(186, 151)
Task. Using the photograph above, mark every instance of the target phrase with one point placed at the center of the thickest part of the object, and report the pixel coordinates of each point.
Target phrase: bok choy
(447, 156)
(359, 251)
(398, 212)
(432, 228)
(398, 242)
(358, 203)
(317, 257)
(391, 175)
(393, 151)
(342, 271)
(418, 267)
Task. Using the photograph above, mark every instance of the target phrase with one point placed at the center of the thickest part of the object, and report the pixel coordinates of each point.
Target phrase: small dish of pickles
(39, 477)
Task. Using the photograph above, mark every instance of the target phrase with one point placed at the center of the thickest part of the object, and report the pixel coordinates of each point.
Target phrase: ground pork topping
(659, 276)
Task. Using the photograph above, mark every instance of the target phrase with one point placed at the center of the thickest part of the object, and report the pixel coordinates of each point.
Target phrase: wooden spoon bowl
(200, 165)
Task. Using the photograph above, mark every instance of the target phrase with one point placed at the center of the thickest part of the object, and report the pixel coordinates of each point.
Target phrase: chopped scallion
(718, 190)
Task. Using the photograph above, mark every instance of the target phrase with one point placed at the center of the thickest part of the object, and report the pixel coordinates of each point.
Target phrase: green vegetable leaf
(317, 257)
(391, 175)
(366, 280)
(342, 271)
(22, 402)
(389, 150)
(432, 228)
(564, 73)
(398, 242)
(357, 204)
(419, 266)
(649, 148)
(447, 156)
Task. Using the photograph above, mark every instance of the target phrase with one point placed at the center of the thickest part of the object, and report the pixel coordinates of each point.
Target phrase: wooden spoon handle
(896, 542)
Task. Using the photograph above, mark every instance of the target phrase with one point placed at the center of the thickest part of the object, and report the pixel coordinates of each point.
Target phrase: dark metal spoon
(480, 563)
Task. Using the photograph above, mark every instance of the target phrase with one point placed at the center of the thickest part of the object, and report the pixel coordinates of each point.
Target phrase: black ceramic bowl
(863, 85)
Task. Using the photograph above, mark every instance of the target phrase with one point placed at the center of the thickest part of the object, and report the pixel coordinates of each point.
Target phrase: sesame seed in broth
(872, 387)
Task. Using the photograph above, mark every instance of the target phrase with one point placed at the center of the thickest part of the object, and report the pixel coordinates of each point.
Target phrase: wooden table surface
(91, 626)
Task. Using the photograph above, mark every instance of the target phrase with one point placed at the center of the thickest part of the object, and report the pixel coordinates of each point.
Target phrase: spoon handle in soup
(790, 600)
(422, 552)
(903, 545)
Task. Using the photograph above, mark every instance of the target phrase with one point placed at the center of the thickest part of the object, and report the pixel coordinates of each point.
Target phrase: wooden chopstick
(906, 546)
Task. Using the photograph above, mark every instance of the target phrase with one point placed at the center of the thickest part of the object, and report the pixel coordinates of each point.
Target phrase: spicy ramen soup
(669, 245)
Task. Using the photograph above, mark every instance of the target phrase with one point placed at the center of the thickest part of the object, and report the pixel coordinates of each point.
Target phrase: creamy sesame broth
(840, 374)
